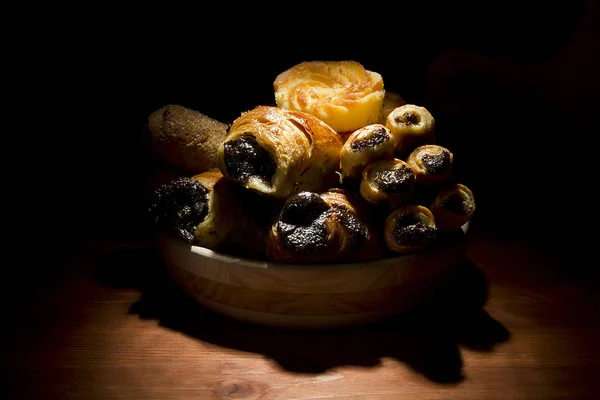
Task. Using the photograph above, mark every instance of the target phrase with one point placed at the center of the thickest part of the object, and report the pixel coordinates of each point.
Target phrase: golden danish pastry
(431, 163)
(186, 138)
(389, 181)
(453, 206)
(326, 227)
(412, 126)
(410, 228)
(364, 146)
(343, 94)
(280, 152)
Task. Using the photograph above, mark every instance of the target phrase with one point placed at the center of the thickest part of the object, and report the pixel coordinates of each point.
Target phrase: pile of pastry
(337, 170)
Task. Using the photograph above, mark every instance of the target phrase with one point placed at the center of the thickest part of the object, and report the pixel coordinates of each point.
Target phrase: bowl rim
(204, 252)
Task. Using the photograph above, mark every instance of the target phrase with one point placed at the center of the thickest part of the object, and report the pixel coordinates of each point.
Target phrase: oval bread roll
(186, 138)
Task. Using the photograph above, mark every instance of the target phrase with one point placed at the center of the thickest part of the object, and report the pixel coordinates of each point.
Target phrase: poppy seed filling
(394, 181)
(437, 164)
(244, 158)
(301, 224)
(179, 206)
(377, 137)
(408, 118)
(411, 231)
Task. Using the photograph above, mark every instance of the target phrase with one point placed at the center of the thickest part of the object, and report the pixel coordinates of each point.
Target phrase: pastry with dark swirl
(280, 152)
(431, 163)
(201, 209)
(364, 146)
(453, 206)
(412, 126)
(410, 228)
(387, 182)
(328, 227)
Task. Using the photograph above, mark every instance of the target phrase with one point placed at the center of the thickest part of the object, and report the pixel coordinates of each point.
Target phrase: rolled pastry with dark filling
(201, 209)
(280, 152)
(410, 228)
(412, 126)
(431, 163)
(326, 227)
(390, 182)
(364, 146)
(453, 206)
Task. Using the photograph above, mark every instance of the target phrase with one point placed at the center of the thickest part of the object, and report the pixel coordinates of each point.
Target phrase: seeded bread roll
(186, 138)
(279, 152)
(343, 94)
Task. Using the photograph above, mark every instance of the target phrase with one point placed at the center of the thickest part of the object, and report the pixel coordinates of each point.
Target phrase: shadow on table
(428, 340)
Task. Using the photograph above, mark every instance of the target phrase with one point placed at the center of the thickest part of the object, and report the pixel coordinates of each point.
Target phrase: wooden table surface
(522, 323)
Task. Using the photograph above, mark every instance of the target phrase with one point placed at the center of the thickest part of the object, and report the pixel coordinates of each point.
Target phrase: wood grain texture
(310, 295)
(516, 323)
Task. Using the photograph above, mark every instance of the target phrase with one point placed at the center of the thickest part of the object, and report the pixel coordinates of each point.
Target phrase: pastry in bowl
(211, 211)
(322, 227)
(185, 138)
(343, 94)
(279, 152)
(364, 146)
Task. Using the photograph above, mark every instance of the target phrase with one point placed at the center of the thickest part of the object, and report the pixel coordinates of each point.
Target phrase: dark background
(513, 88)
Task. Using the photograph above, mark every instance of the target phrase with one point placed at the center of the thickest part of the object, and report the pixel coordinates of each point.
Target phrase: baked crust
(346, 226)
(343, 94)
(304, 149)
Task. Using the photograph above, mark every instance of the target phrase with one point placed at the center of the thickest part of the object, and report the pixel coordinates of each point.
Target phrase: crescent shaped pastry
(453, 206)
(200, 210)
(412, 126)
(410, 228)
(342, 93)
(364, 146)
(390, 182)
(280, 152)
(326, 227)
(431, 163)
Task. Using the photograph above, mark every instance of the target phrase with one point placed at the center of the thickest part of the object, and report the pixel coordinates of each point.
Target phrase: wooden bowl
(310, 296)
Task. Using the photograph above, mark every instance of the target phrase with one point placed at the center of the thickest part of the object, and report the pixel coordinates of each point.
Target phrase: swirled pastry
(410, 228)
(364, 146)
(431, 163)
(326, 227)
(412, 126)
(280, 152)
(391, 101)
(201, 210)
(342, 93)
(389, 181)
(453, 206)
(185, 138)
